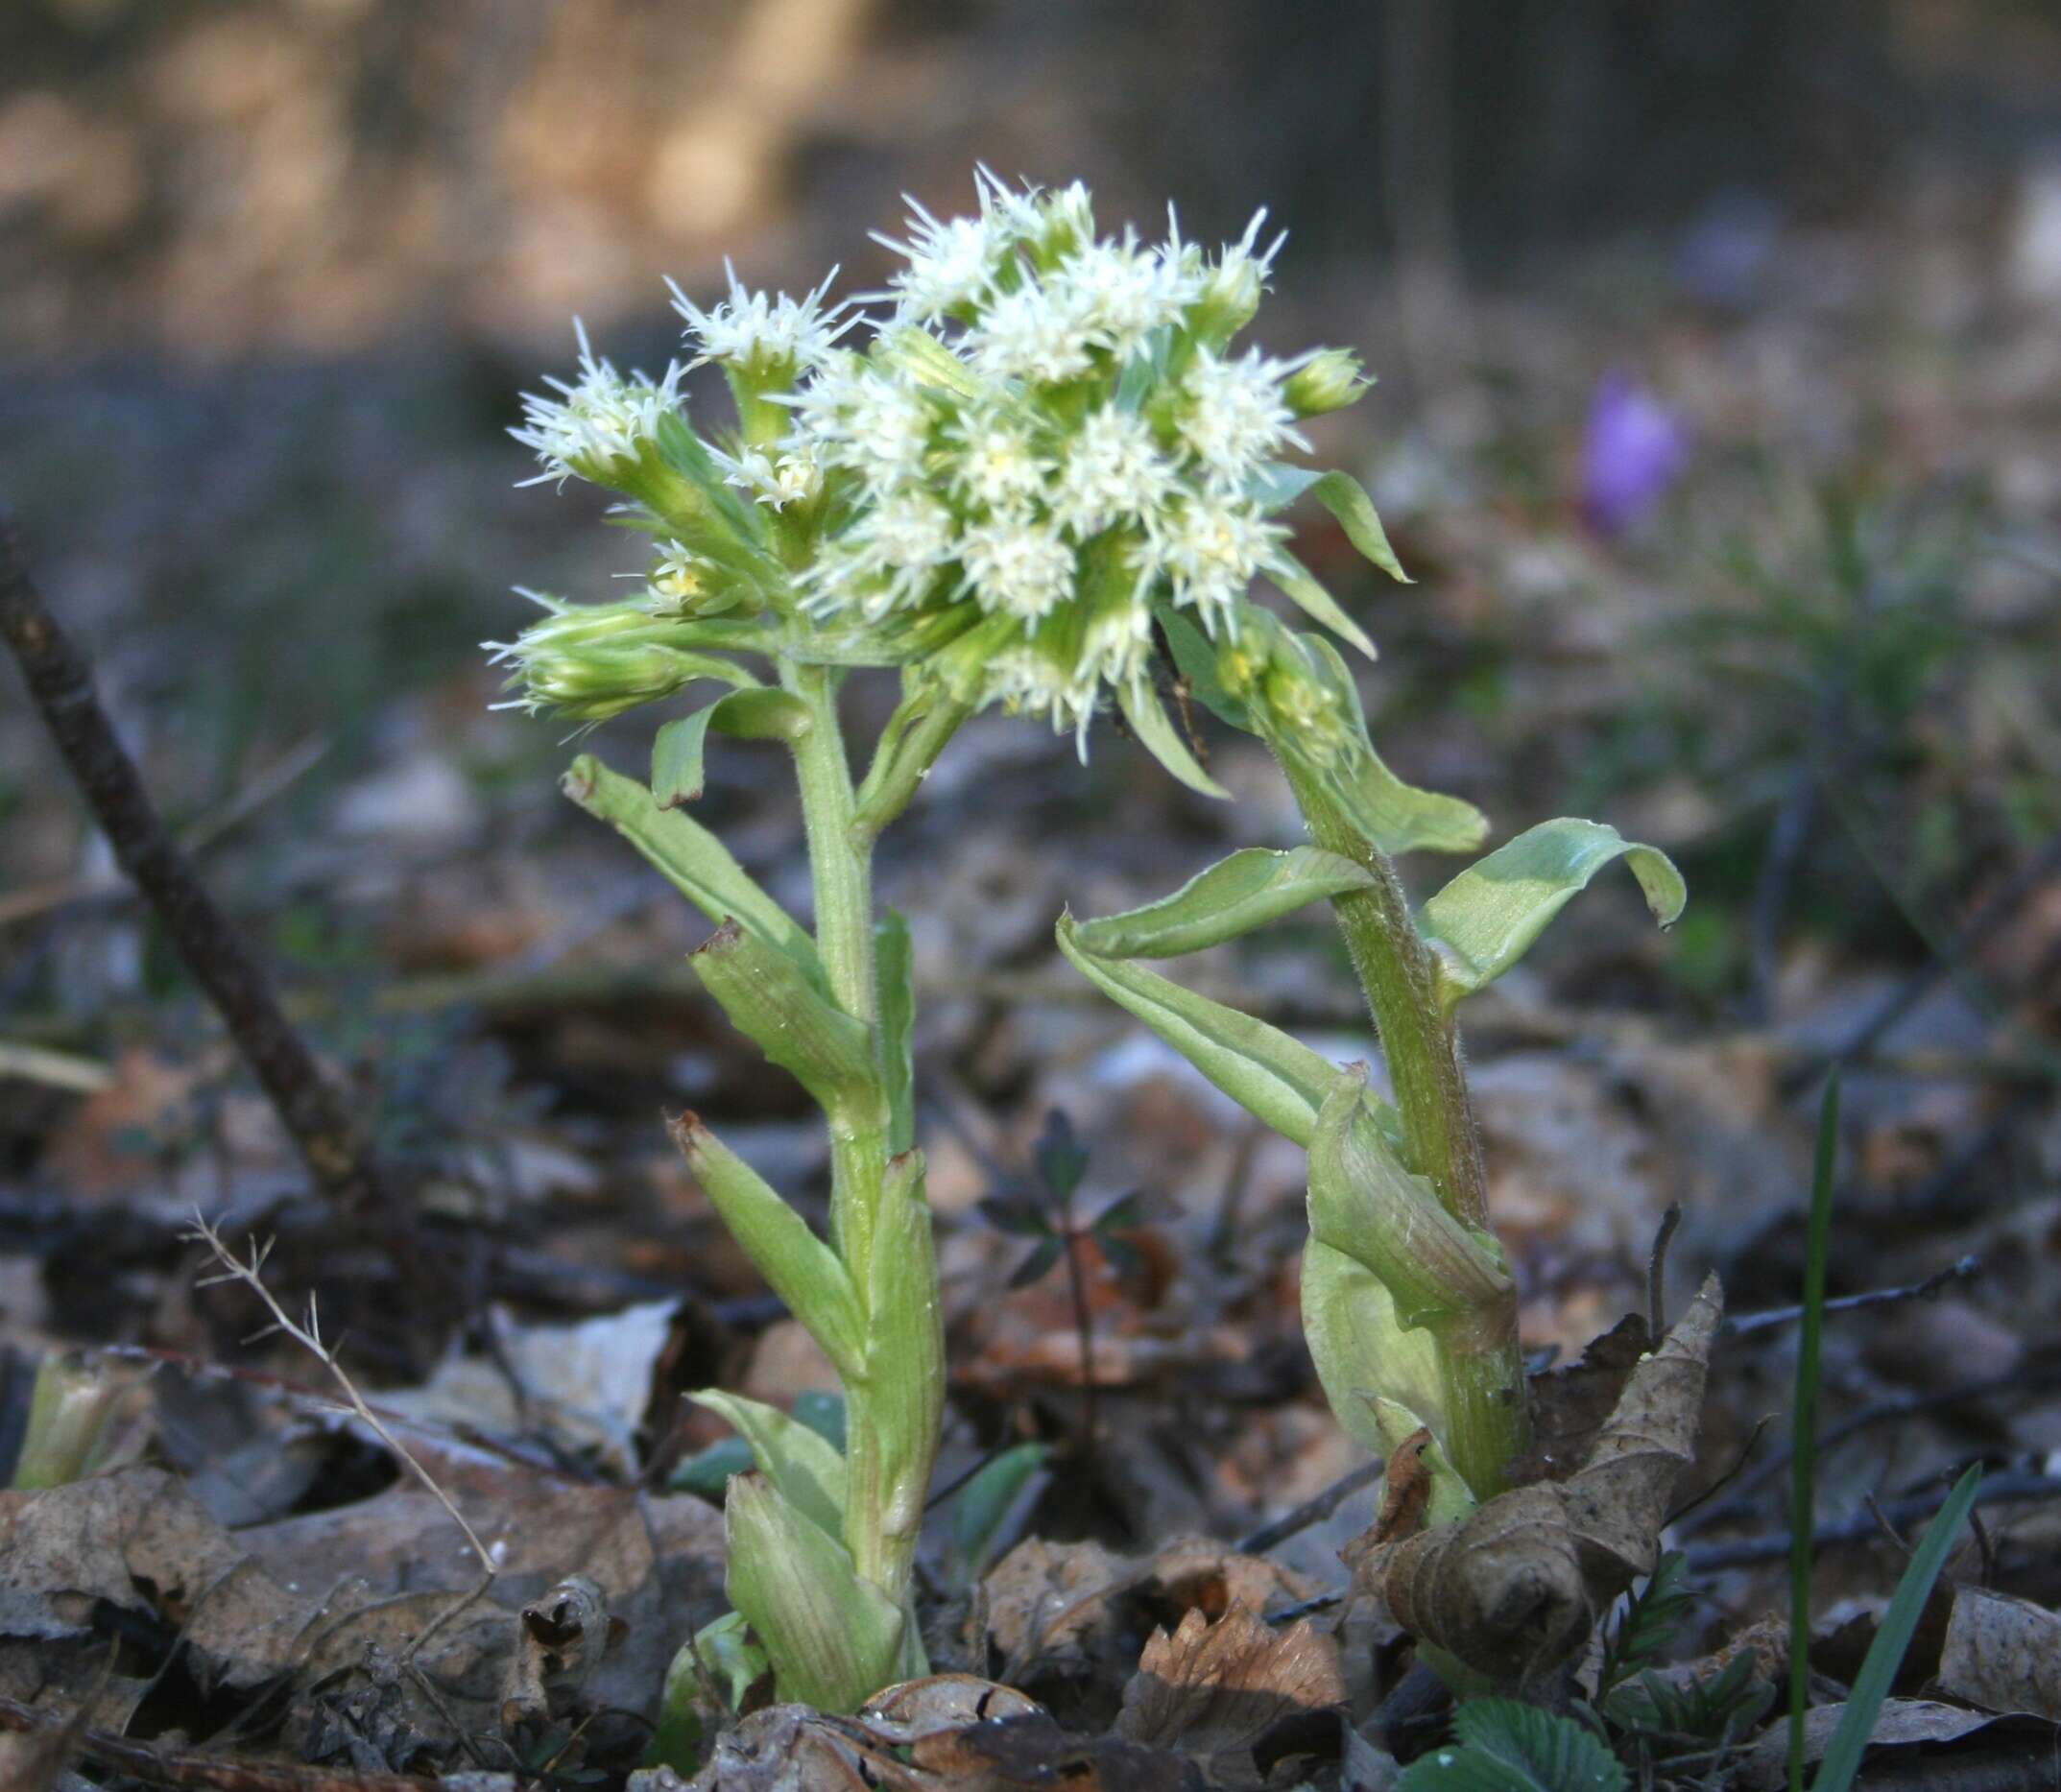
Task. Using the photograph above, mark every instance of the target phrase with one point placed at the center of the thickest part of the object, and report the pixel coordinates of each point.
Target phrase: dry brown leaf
(1235, 1696)
(137, 1540)
(2003, 1654)
(942, 1701)
(1042, 1594)
(1569, 1406)
(1901, 1723)
(1032, 1753)
(1514, 1590)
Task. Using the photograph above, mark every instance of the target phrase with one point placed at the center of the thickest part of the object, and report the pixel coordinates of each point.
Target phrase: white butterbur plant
(1034, 474)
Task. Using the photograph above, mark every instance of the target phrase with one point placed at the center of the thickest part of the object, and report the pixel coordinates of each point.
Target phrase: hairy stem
(1480, 1363)
(840, 856)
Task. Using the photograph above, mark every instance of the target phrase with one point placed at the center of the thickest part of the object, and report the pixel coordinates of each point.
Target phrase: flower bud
(1330, 380)
(1230, 301)
(597, 682)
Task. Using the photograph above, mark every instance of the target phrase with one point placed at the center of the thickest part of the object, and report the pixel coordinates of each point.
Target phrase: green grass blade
(1803, 1475)
(1885, 1654)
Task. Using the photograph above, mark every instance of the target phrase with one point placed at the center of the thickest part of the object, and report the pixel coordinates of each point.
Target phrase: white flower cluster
(1048, 435)
(1046, 426)
(599, 424)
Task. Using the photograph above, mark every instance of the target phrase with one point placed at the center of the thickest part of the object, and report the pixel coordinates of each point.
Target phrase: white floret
(794, 477)
(1114, 470)
(598, 421)
(997, 466)
(1031, 335)
(889, 558)
(1119, 293)
(763, 332)
(1236, 417)
(953, 264)
(1017, 565)
(1210, 550)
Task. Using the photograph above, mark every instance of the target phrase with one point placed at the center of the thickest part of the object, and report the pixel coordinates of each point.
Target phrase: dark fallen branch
(1313, 1510)
(1860, 1527)
(1960, 1270)
(2027, 1383)
(61, 682)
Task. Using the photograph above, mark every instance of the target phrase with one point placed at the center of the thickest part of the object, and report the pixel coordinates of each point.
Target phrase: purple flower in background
(1635, 450)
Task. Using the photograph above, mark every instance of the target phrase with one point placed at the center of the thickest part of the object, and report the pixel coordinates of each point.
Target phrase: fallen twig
(1960, 1270)
(60, 682)
(1999, 1489)
(1313, 1511)
(308, 1335)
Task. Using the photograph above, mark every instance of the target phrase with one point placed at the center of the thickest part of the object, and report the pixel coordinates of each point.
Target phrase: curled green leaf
(1486, 918)
(1306, 592)
(1232, 898)
(1274, 1077)
(1347, 500)
(1383, 1378)
(1397, 817)
(903, 1385)
(895, 955)
(678, 770)
(1363, 1202)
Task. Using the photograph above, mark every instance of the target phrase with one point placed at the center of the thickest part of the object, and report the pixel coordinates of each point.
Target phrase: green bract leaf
(1230, 898)
(1397, 817)
(1149, 722)
(1363, 1202)
(692, 859)
(1195, 660)
(793, 1456)
(896, 957)
(1303, 588)
(834, 1640)
(1506, 1746)
(1348, 501)
(771, 1002)
(1279, 483)
(1487, 917)
(1383, 1381)
(1272, 1076)
(678, 774)
(798, 1266)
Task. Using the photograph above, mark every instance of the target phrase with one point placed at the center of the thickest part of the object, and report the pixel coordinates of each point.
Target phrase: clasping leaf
(1486, 918)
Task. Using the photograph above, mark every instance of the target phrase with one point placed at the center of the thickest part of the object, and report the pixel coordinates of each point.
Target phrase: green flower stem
(841, 863)
(904, 760)
(1479, 1361)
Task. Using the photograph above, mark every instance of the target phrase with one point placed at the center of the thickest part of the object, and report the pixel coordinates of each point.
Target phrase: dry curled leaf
(1514, 1590)
(1236, 1696)
(559, 1640)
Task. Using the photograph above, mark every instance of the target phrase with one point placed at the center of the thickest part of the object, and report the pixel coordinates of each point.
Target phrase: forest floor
(1821, 669)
